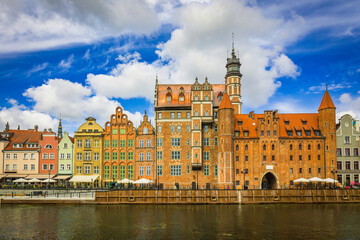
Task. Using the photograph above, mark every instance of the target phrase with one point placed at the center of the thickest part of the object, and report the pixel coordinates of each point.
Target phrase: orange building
(145, 150)
(204, 141)
(119, 148)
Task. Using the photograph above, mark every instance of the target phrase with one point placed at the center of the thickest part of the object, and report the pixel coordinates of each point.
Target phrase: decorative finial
(326, 88)
(206, 79)
(233, 49)
(157, 80)
(145, 112)
(196, 79)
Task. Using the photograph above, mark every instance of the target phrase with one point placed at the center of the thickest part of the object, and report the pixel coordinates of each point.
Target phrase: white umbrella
(20, 180)
(316, 179)
(301, 180)
(48, 180)
(125, 180)
(34, 180)
(143, 181)
(330, 180)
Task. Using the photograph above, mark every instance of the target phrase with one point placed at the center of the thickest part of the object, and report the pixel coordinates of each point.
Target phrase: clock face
(346, 124)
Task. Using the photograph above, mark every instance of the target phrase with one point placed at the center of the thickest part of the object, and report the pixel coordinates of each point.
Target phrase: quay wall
(227, 196)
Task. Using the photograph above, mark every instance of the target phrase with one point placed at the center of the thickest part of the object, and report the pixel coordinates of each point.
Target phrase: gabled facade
(145, 150)
(66, 155)
(119, 148)
(347, 149)
(48, 159)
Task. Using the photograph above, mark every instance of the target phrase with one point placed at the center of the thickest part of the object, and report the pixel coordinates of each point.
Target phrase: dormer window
(317, 133)
(17, 145)
(307, 133)
(304, 122)
(287, 122)
(290, 133)
(181, 98)
(240, 123)
(246, 133)
(168, 95)
(168, 98)
(298, 133)
(48, 146)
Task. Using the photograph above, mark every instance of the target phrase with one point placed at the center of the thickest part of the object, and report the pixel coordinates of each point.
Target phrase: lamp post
(245, 171)
(333, 172)
(49, 178)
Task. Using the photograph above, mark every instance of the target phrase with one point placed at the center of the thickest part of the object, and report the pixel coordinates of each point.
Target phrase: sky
(86, 57)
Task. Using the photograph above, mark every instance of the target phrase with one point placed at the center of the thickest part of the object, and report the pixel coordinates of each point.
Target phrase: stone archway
(269, 181)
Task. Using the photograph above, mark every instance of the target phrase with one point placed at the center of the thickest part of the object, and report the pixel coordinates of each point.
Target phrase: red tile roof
(326, 102)
(225, 102)
(23, 137)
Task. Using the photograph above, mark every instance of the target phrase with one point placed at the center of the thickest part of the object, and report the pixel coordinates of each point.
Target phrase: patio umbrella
(330, 180)
(48, 180)
(20, 180)
(301, 180)
(125, 180)
(143, 181)
(34, 180)
(316, 179)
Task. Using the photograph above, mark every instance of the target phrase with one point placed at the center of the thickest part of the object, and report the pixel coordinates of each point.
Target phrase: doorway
(269, 181)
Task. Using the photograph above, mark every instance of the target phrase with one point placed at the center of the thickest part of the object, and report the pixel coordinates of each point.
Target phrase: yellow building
(88, 154)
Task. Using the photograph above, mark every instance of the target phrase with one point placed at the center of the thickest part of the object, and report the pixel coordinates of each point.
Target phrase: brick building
(204, 140)
(48, 159)
(119, 148)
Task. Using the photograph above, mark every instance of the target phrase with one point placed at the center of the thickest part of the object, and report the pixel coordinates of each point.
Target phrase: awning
(2, 176)
(16, 175)
(62, 177)
(40, 176)
(84, 178)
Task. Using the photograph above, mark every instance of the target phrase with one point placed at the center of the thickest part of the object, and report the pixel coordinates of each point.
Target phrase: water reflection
(179, 222)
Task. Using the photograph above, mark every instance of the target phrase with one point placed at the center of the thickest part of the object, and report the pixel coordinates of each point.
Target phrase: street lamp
(49, 178)
(245, 171)
(333, 172)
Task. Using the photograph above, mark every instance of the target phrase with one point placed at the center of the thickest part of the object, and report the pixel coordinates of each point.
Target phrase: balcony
(196, 166)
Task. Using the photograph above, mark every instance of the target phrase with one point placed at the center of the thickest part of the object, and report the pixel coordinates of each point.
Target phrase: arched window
(273, 147)
(264, 147)
(318, 146)
(300, 146)
(237, 147)
(246, 147)
(168, 95)
(290, 146)
(220, 95)
(309, 147)
(48, 146)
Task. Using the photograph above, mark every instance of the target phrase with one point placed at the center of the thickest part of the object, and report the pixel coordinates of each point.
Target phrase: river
(324, 221)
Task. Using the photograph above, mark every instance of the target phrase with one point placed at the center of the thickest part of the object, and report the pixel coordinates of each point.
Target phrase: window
(175, 142)
(181, 98)
(237, 147)
(289, 133)
(268, 133)
(188, 142)
(25, 167)
(122, 131)
(196, 113)
(87, 169)
(159, 155)
(274, 133)
(51, 156)
(300, 170)
(159, 142)
(141, 156)
(175, 154)
(159, 170)
(122, 171)
(264, 158)
(172, 115)
(188, 128)
(291, 170)
(356, 152)
(87, 143)
(32, 156)
(114, 156)
(148, 143)
(62, 166)
(107, 156)
(48, 146)
(307, 133)
(68, 167)
(44, 167)
(338, 152)
(130, 171)
(172, 128)
(206, 113)
(216, 141)
(317, 132)
(188, 155)
(87, 156)
(96, 156)
(300, 157)
(179, 128)
(179, 115)
(122, 143)
(272, 158)
(309, 147)
(196, 98)
(96, 143)
(264, 147)
(141, 171)
(319, 170)
(206, 141)
(130, 155)
(347, 140)
(145, 130)
(148, 170)
(298, 133)
(45, 156)
(130, 143)
(62, 155)
(96, 170)
(114, 131)
(319, 157)
(114, 143)
(262, 133)
(273, 147)
(246, 158)
(122, 155)
(187, 114)
(7, 156)
(356, 165)
(347, 152)
(290, 146)
(347, 165)
(206, 156)
(107, 143)
(107, 172)
(309, 170)
(25, 156)
(300, 146)
(7, 167)
(206, 128)
(206, 170)
(309, 157)
(32, 166)
(216, 170)
(291, 157)
(148, 156)
(168, 98)
(237, 158)
(114, 172)
(65, 145)
(159, 115)
(216, 128)
(79, 143)
(175, 170)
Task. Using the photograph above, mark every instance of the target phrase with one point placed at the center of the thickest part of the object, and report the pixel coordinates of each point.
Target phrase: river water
(326, 221)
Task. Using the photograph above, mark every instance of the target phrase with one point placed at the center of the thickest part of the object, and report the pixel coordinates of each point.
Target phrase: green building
(347, 149)
(65, 158)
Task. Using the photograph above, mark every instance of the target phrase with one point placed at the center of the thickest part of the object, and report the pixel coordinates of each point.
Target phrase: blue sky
(84, 58)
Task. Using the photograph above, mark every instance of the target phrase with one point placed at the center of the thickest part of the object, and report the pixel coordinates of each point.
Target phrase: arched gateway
(269, 181)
